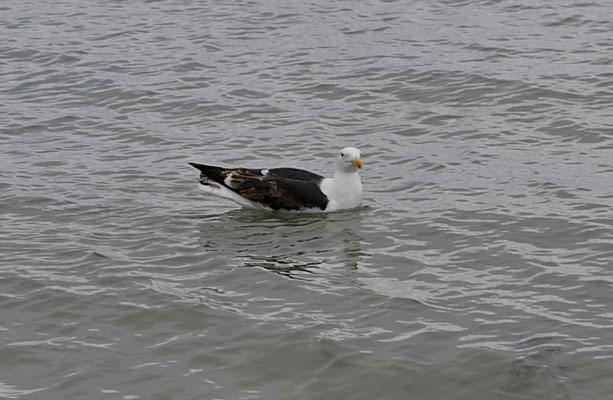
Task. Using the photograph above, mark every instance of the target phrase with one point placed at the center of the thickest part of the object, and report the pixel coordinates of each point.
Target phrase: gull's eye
(342, 154)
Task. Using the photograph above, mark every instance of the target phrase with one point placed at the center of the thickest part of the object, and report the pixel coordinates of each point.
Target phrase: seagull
(288, 189)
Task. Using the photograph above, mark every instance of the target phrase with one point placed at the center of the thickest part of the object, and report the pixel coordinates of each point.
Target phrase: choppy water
(479, 268)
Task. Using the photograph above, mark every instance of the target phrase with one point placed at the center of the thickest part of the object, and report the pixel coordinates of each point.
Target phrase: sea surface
(480, 265)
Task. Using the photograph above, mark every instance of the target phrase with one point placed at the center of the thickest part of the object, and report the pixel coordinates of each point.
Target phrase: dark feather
(215, 174)
(277, 188)
(293, 173)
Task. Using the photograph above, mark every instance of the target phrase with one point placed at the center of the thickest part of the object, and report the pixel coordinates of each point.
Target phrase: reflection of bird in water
(288, 189)
(347, 230)
(300, 246)
(282, 265)
(352, 249)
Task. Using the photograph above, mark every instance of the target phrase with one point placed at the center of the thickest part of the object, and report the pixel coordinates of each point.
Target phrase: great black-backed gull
(288, 189)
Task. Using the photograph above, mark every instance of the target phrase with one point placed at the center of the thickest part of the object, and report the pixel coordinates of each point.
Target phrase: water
(478, 268)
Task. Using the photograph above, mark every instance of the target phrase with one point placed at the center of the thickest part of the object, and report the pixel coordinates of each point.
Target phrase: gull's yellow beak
(357, 162)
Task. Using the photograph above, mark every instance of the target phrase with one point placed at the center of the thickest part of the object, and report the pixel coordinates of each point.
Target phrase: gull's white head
(349, 159)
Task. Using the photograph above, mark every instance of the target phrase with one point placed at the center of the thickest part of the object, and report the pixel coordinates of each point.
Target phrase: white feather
(343, 191)
(218, 190)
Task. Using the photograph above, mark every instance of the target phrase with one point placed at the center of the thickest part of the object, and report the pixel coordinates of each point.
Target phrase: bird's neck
(346, 176)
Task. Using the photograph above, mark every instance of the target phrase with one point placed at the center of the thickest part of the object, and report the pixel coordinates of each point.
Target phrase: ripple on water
(478, 268)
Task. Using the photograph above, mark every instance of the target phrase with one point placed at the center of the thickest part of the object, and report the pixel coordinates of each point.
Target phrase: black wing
(293, 173)
(288, 194)
(219, 174)
(277, 188)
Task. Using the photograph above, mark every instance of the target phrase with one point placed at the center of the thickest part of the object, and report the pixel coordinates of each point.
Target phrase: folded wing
(278, 188)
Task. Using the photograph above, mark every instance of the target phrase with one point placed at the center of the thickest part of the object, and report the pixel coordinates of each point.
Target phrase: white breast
(343, 191)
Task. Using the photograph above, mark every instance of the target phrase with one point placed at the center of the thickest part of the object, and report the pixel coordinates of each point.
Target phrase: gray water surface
(479, 267)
